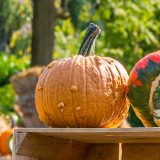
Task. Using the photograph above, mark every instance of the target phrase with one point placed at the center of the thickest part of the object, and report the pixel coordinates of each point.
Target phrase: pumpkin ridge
(95, 88)
(117, 106)
(45, 110)
(64, 96)
(56, 118)
(120, 111)
(60, 61)
(122, 83)
(113, 86)
(43, 81)
(85, 78)
(110, 106)
(106, 68)
(59, 91)
(38, 87)
(47, 95)
(100, 77)
(96, 115)
(73, 69)
(81, 93)
(75, 95)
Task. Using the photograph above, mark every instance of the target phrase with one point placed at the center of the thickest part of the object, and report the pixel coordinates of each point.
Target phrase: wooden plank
(86, 144)
(24, 158)
(100, 135)
(18, 139)
(46, 148)
(103, 152)
(141, 151)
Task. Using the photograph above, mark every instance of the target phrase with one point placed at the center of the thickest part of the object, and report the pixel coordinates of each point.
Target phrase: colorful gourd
(84, 90)
(6, 140)
(144, 89)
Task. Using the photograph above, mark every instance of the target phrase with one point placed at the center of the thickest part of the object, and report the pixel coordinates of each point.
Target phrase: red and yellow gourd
(83, 90)
(6, 142)
(144, 89)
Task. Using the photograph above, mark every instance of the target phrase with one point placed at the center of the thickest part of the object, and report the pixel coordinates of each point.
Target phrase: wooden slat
(24, 158)
(18, 140)
(48, 148)
(87, 144)
(141, 151)
(101, 135)
(103, 152)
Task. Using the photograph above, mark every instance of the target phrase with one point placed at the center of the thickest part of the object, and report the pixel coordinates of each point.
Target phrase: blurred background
(34, 32)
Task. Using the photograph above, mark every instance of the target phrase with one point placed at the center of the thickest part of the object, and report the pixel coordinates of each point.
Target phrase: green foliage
(66, 40)
(130, 29)
(10, 65)
(20, 42)
(75, 9)
(14, 16)
(15, 37)
(6, 99)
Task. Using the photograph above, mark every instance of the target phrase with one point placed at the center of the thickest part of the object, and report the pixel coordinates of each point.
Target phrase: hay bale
(24, 85)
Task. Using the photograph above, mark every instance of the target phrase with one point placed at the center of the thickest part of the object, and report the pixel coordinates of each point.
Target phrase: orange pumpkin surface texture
(84, 90)
(4, 142)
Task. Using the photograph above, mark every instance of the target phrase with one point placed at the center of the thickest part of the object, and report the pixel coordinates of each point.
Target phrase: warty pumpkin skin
(144, 89)
(83, 91)
(4, 142)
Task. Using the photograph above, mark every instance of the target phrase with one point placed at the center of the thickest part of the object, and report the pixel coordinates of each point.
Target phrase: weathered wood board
(86, 144)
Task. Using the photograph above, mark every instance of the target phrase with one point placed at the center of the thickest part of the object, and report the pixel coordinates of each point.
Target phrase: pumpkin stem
(88, 44)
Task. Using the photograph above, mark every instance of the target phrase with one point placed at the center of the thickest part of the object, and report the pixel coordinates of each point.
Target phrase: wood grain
(18, 140)
(46, 148)
(100, 135)
(87, 144)
(103, 152)
(141, 151)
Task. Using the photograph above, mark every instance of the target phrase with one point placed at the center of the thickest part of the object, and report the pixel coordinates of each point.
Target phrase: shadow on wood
(49, 148)
(141, 151)
(103, 152)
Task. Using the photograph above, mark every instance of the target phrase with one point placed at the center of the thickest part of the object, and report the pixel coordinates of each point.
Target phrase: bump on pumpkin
(74, 88)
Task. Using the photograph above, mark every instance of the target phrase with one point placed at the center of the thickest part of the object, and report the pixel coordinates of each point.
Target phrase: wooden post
(18, 139)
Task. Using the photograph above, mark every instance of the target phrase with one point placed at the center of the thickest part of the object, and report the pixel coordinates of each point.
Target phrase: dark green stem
(88, 44)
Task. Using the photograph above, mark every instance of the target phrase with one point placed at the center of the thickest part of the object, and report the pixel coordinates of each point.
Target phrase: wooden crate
(87, 144)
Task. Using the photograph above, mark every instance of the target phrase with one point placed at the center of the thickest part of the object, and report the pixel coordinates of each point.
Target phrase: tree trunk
(43, 32)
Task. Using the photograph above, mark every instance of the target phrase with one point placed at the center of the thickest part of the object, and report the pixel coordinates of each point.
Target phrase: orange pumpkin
(4, 142)
(84, 90)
